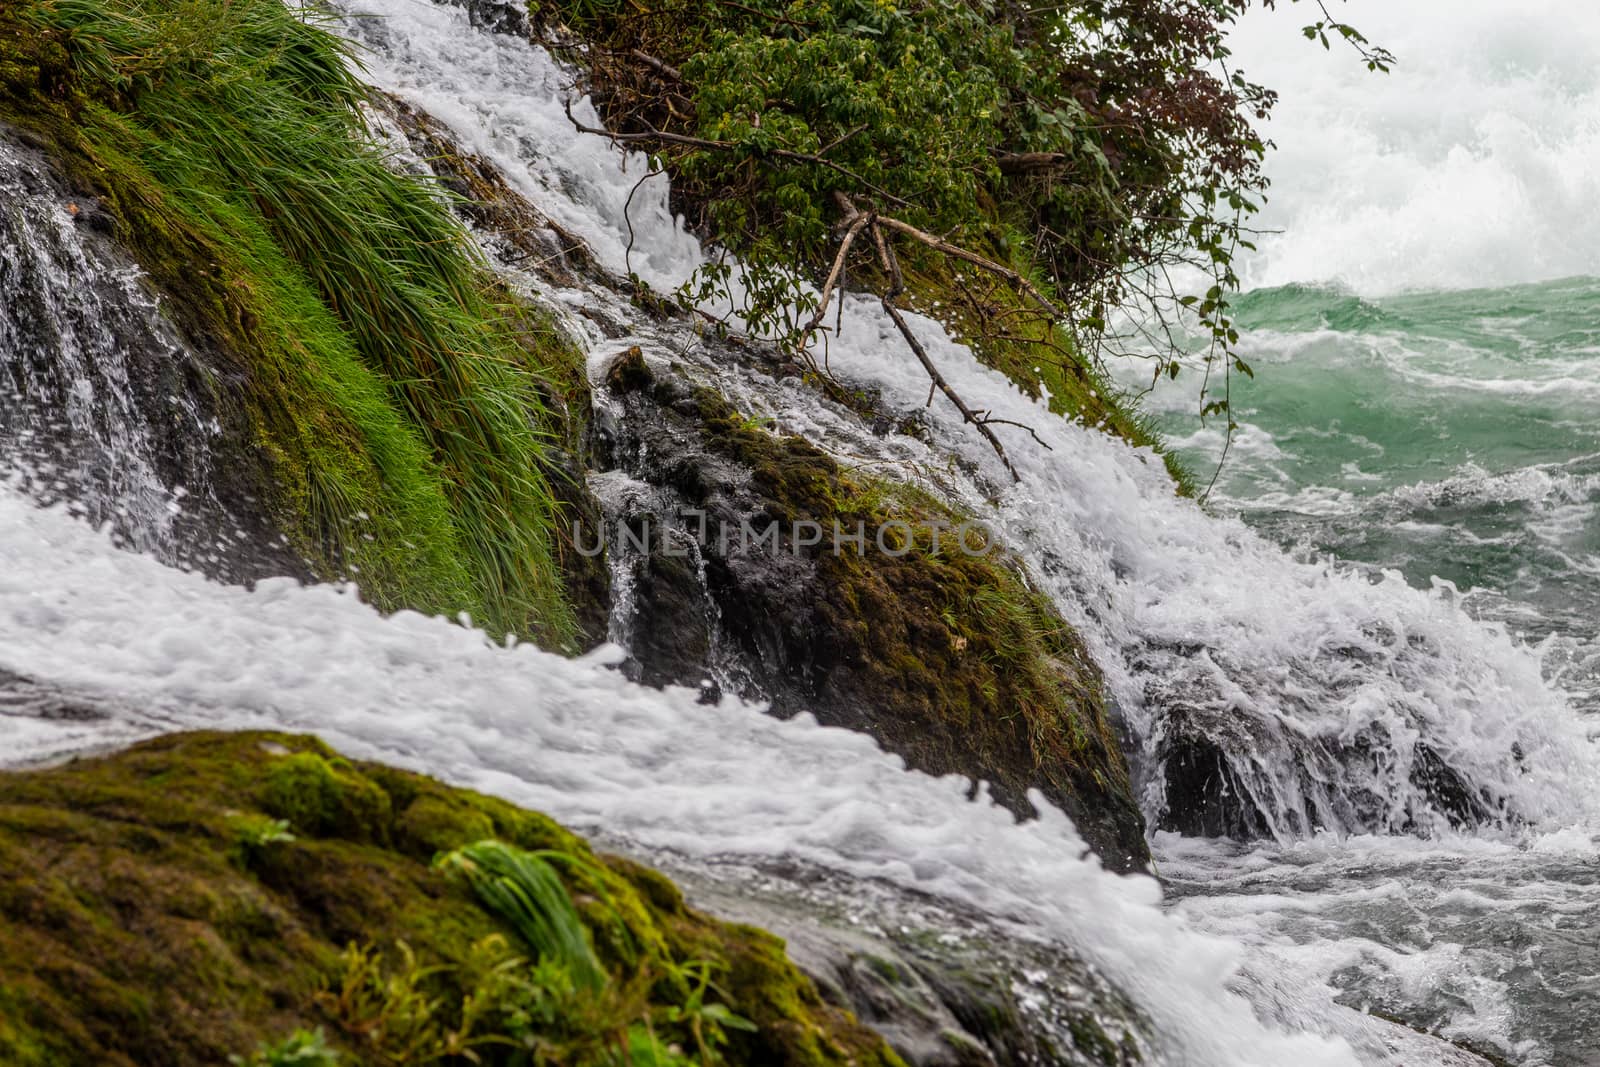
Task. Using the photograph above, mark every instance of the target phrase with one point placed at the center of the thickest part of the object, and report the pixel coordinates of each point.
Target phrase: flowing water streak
(69, 315)
(103, 402)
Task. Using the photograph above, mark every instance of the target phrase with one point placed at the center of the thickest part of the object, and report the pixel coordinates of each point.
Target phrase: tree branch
(957, 252)
(660, 67)
(892, 266)
(833, 278)
(664, 137)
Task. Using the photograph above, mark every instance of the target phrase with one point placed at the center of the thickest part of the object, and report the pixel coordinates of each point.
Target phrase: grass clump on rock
(393, 395)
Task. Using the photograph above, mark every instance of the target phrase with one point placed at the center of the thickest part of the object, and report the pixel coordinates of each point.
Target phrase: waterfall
(1287, 697)
(1332, 701)
(104, 405)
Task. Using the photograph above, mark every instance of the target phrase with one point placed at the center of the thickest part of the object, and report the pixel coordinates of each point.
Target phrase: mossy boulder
(943, 652)
(192, 898)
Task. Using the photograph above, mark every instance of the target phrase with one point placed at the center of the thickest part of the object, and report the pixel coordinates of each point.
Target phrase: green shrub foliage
(1087, 147)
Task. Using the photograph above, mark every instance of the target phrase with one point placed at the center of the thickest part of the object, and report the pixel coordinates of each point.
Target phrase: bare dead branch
(833, 278)
(888, 298)
(665, 69)
(664, 137)
(627, 208)
(989, 420)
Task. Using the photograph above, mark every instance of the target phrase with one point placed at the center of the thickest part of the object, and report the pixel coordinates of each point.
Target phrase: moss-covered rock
(153, 909)
(943, 653)
(376, 391)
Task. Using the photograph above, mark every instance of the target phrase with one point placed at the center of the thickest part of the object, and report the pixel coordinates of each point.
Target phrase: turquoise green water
(1453, 435)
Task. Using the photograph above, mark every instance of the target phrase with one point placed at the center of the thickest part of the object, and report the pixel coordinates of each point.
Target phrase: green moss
(130, 935)
(319, 798)
(389, 399)
(430, 825)
(966, 667)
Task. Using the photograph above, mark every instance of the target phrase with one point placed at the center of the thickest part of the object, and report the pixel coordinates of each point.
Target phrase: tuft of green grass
(524, 889)
(395, 392)
(303, 1048)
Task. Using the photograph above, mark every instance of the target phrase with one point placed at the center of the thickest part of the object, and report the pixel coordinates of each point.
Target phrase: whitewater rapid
(1424, 317)
(152, 649)
(1297, 647)
(1475, 162)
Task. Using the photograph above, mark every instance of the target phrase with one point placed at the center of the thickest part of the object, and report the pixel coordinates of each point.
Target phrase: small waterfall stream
(77, 326)
(104, 405)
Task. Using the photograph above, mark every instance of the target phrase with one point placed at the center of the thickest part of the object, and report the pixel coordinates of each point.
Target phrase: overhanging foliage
(1077, 152)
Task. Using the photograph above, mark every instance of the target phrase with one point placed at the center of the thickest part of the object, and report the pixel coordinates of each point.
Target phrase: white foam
(502, 98)
(575, 739)
(1466, 932)
(1137, 567)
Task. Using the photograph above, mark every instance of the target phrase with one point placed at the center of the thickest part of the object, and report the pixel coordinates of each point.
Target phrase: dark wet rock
(948, 659)
(496, 16)
(677, 646)
(940, 999)
(22, 697)
(107, 402)
(1451, 793)
(1204, 796)
(1225, 774)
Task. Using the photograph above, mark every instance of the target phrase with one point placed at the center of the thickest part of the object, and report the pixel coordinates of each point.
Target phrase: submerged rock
(945, 985)
(1223, 774)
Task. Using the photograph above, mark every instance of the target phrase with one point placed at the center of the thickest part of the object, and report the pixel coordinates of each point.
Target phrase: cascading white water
(69, 316)
(1300, 657)
(1475, 163)
(155, 648)
(1173, 601)
(1142, 572)
(104, 404)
